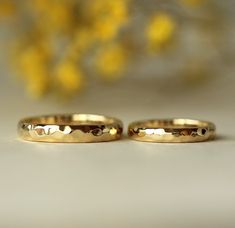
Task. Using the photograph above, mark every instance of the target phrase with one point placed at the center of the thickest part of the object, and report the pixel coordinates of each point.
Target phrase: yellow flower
(33, 59)
(81, 42)
(105, 30)
(69, 77)
(52, 15)
(38, 85)
(192, 2)
(111, 61)
(7, 8)
(106, 9)
(109, 17)
(160, 31)
(33, 63)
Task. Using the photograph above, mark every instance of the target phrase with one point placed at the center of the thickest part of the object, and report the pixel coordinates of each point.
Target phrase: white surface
(123, 183)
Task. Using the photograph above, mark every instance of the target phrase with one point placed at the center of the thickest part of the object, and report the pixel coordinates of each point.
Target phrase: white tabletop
(123, 183)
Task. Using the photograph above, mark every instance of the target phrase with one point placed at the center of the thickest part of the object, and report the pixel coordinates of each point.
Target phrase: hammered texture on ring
(172, 130)
(70, 128)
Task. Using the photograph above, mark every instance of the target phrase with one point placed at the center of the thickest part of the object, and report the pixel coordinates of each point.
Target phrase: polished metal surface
(70, 128)
(172, 130)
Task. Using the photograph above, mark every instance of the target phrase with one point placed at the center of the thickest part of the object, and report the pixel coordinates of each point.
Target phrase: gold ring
(172, 130)
(70, 128)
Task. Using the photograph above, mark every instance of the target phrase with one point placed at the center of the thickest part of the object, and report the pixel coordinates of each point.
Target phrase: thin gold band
(171, 130)
(70, 128)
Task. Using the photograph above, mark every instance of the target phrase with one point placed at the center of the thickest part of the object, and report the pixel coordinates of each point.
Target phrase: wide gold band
(172, 130)
(70, 128)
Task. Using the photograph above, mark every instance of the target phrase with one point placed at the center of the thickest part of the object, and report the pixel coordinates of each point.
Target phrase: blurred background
(132, 59)
(59, 51)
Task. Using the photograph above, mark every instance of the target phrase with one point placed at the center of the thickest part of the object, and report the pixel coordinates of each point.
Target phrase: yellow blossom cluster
(160, 31)
(193, 2)
(7, 8)
(61, 35)
(110, 61)
(60, 39)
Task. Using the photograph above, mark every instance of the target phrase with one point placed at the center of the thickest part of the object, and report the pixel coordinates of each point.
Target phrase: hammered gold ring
(70, 128)
(172, 130)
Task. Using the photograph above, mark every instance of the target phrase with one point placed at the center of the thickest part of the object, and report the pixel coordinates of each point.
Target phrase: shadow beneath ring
(225, 138)
(218, 138)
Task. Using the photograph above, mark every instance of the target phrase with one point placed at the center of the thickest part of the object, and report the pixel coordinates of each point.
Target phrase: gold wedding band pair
(76, 128)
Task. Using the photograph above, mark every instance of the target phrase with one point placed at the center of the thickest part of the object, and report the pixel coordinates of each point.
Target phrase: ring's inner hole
(81, 119)
(175, 123)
